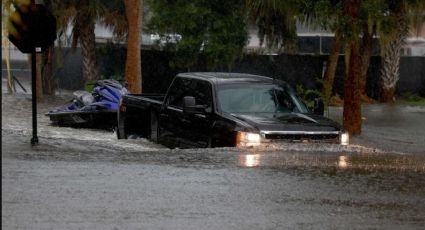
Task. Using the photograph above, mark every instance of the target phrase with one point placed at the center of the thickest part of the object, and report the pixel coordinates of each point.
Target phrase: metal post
(34, 139)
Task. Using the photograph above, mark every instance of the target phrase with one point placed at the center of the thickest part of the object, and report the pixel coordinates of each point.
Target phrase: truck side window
(182, 87)
(177, 92)
(203, 94)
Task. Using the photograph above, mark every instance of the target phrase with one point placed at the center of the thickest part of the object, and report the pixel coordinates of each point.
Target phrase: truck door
(186, 130)
(199, 131)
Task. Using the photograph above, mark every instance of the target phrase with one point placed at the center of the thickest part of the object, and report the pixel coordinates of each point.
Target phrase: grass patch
(413, 103)
(411, 99)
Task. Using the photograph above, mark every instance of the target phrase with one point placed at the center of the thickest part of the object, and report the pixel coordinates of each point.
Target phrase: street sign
(31, 26)
(19, 26)
(44, 27)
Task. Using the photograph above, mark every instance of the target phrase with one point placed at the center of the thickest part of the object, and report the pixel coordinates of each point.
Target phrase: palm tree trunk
(391, 59)
(331, 65)
(88, 50)
(390, 70)
(48, 78)
(133, 67)
(352, 106)
(366, 53)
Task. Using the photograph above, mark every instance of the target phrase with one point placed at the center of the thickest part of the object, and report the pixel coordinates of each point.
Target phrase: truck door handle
(164, 115)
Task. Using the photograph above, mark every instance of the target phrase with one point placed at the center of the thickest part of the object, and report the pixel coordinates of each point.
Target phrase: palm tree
(331, 64)
(370, 13)
(276, 21)
(133, 68)
(366, 53)
(275, 18)
(391, 44)
(352, 106)
(403, 14)
(329, 16)
(123, 17)
(83, 15)
(347, 18)
(326, 14)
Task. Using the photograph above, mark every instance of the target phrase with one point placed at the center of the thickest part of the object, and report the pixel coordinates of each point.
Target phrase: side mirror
(190, 107)
(319, 107)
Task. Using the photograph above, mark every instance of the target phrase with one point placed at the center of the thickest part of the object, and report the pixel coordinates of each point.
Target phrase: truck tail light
(122, 108)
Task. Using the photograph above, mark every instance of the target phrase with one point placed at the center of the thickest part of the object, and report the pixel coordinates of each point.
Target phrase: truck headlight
(245, 139)
(344, 139)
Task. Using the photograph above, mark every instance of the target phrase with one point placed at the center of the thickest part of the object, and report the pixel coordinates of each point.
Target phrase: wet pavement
(87, 179)
(390, 127)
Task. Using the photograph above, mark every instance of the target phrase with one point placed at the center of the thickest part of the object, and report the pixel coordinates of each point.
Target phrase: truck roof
(225, 77)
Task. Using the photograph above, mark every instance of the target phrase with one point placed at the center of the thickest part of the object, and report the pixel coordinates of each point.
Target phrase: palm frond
(276, 21)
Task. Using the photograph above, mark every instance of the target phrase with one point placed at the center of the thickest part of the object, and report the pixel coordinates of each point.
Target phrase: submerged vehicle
(225, 110)
(97, 109)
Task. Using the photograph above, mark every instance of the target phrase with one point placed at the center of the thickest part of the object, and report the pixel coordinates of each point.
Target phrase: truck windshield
(263, 98)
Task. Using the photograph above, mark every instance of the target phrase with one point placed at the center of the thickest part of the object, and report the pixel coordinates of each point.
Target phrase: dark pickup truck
(224, 110)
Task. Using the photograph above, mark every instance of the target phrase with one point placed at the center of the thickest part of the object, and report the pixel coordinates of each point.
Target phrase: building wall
(295, 69)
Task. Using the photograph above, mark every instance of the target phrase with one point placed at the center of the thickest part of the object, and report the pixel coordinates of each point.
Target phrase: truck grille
(301, 137)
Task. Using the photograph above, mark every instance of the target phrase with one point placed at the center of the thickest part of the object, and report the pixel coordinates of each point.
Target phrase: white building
(414, 45)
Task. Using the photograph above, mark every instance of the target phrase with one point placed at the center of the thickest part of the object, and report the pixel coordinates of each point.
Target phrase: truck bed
(142, 101)
(136, 114)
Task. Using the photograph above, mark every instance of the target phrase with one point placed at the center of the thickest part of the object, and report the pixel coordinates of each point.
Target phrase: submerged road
(86, 179)
(51, 187)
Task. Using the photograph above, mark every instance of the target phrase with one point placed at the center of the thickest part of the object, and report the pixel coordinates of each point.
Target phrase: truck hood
(288, 122)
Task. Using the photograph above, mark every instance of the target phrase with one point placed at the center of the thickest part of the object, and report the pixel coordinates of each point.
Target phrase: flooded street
(87, 179)
(390, 127)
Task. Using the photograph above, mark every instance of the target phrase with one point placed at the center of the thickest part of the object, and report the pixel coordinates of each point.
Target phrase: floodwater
(87, 179)
(391, 127)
